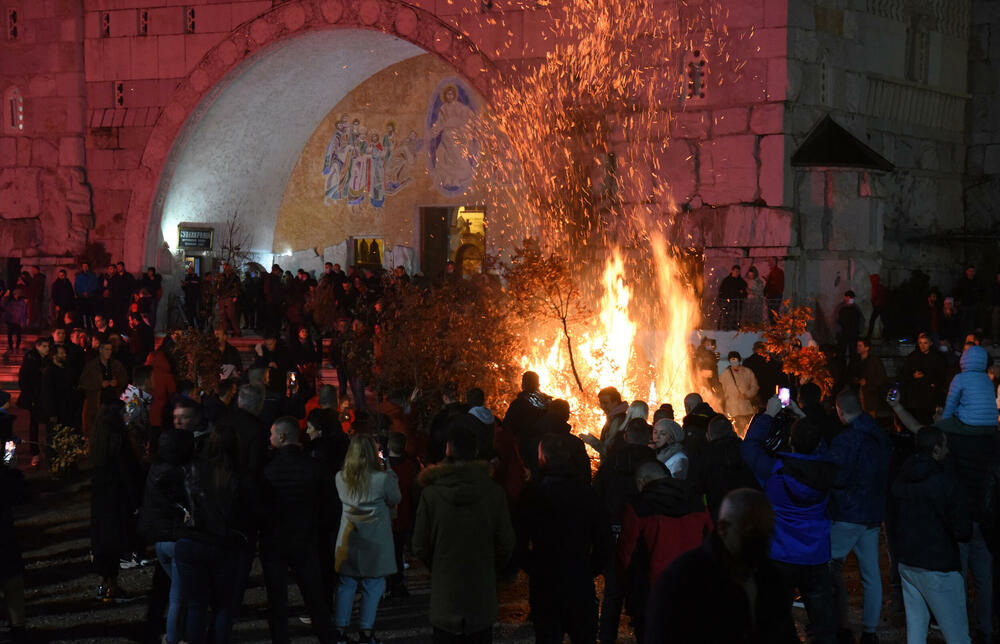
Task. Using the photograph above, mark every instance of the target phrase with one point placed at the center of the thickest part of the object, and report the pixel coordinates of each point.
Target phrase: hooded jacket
(861, 452)
(971, 397)
(932, 515)
(798, 488)
(661, 522)
(464, 535)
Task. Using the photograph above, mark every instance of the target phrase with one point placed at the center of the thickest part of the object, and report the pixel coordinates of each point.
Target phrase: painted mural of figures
(361, 164)
(453, 149)
(399, 164)
(360, 171)
(333, 161)
(376, 171)
(351, 153)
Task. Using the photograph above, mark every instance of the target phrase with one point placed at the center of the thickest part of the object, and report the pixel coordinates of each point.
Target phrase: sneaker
(116, 595)
(305, 619)
(368, 638)
(128, 564)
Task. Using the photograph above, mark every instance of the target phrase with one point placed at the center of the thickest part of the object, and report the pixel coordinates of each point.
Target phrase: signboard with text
(194, 238)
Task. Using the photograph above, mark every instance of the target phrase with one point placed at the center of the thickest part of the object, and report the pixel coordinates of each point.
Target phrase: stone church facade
(862, 136)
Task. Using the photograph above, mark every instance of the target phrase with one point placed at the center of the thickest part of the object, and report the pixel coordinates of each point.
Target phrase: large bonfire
(576, 150)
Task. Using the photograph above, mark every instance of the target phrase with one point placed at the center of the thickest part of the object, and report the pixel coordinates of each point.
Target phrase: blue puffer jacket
(972, 396)
(798, 488)
(861, 452)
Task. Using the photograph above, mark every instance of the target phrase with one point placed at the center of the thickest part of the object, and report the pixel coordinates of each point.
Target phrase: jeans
(371, 592)
(863, 540)
(944, 594)
(165, 555)
(976, 557)
(207, 573)
(816, 587)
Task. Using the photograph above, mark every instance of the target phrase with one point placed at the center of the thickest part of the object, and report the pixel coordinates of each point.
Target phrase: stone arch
(252, 42)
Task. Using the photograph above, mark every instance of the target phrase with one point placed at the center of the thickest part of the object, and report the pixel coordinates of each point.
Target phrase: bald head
(848, 406)
(285, 431)
(648, 472)
(745, 525)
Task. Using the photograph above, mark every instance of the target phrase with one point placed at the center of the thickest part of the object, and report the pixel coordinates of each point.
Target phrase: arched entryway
(227, 140)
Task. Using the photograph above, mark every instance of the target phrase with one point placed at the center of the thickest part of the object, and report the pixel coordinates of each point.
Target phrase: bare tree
(236, 241)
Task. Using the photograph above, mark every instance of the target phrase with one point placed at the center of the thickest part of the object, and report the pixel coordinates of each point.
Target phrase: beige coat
(364, 543)
(738, 388)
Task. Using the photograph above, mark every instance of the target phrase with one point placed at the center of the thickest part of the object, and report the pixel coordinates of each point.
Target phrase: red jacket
(662, 520)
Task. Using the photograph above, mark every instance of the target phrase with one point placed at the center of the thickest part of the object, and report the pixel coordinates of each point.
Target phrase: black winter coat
(972, 460)
(29, 382)
(563, 537)
(13, 491)
(932, 515)
(615, 478)
(296, 499)
(161, 517)
(724, 471)
(678, 611)
(116, 491)
(57, 395)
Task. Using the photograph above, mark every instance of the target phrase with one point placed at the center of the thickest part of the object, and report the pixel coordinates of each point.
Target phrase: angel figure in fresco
(351, 152)
(453, 147)
(333, 161)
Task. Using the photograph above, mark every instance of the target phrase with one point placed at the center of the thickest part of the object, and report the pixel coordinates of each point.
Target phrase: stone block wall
(894, 75)
(982, 187)
(45, 197)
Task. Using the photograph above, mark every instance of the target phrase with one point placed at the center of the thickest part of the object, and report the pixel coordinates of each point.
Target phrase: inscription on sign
(195, 238)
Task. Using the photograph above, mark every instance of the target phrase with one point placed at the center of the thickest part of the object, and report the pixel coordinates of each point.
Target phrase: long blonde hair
(359, 464)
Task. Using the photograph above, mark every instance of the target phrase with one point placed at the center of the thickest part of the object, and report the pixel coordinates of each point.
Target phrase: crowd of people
(706, 526)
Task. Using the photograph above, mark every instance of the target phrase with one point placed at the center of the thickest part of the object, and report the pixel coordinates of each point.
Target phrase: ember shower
(576, 147)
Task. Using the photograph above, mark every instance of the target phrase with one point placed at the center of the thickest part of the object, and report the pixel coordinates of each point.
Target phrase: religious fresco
(453, 145)
(368, 167)
(361, 163)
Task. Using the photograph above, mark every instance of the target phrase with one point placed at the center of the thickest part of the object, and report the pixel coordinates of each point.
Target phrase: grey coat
(364, 542)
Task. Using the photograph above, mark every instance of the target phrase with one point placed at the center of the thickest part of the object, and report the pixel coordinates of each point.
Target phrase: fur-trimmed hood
(458, 483)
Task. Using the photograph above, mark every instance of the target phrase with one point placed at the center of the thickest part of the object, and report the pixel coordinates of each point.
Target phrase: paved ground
(60, 583)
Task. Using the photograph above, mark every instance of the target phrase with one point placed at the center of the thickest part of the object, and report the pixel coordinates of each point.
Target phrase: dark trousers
(611, 605)
(484, 636)
(229, 318)
(191, 310)
(304, 564)
(399, 540)
(207, 576)
(13, 331)
(34, 427)
(815, 584)
(85, 308)
(156, 608)
(554, 616)
(342, 382)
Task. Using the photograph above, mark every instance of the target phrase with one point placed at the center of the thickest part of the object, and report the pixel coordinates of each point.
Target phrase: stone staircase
(245, 344)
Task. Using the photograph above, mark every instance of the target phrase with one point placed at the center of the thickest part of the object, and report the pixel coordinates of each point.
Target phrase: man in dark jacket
(857, 507)
(452, 412)
(58, 405)
(798, 484)
(767, 370)
(933, 518)
(728, 564)
(849, 319)
(524, 413)
(867, 375)
(295, 491)
(732, 296)
(140, 338)
(722, 466)
(661, 522)
(63, 297)
(29, 380)
(563, 542)
(12, 492)
(463, 534)
(615, 484)
(925, 375)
